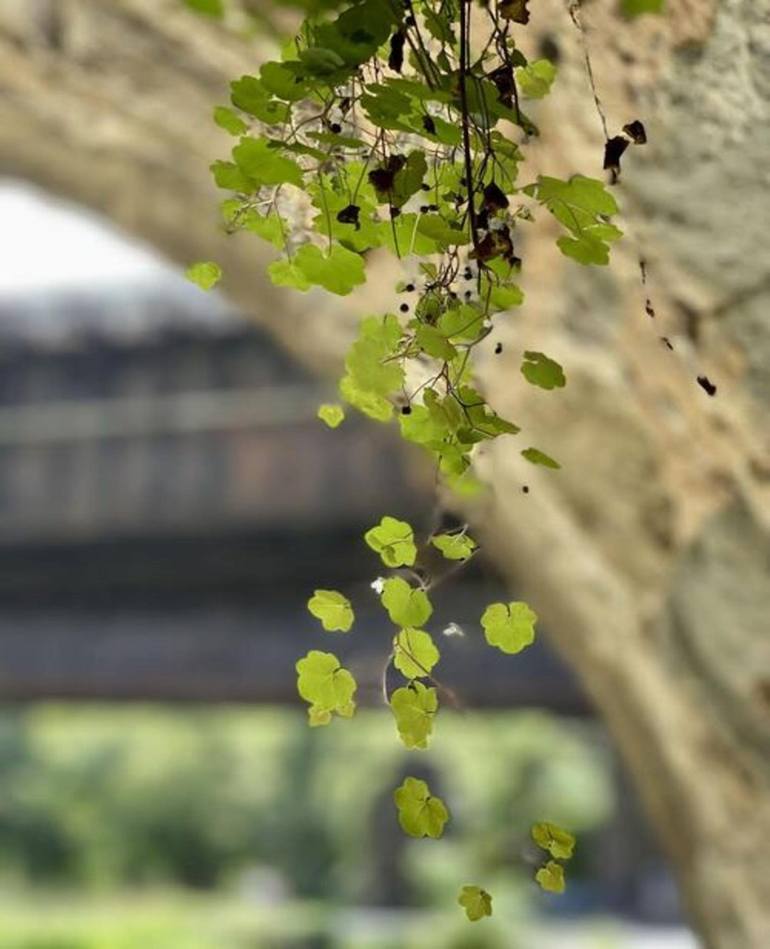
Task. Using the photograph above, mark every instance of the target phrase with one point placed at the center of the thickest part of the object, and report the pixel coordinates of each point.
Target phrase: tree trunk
(647, 556)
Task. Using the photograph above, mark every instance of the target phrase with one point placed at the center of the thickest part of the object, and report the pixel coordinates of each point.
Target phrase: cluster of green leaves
(329, 688)
(560, 844)
(399, 125)
(385, 125)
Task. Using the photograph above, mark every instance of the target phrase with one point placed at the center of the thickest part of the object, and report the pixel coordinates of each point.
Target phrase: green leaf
(229, 176)
(205, 274)
(250, 95)
(264, 164)
(228, 120)
(443, 232)
(414, 707)
(551, 877)
(510, 627)
(464, 322)
(325, 685)
(372, 373)
(333, 609)
(502, 296)
(541, 371)
(212, 8)
(414, 653)
(267, 226)
(583, 206)
(393, 540)
(420, 814)
(537, 457)
(284, 273)
(434, 343)
(535, 79)
(333, 415)
(375, 406)
(476, 902)
(406, 605)
(558, 842)
(339, 271)
(634, 8)
(455, 546)
(282, 81)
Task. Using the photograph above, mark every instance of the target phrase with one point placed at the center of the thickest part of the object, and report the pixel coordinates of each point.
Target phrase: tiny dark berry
(336, 128)
(525, 489)
(468, 294)
(468, 275)
(452, 295)
(404, 308)
(425, 186)
(409, 288)
(424, 208)
(410, 21)
(394, 213)
(498, 349)
(433, 207)
(406, 409)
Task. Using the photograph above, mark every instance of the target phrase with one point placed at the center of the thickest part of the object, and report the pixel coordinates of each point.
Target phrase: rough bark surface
(648, 555)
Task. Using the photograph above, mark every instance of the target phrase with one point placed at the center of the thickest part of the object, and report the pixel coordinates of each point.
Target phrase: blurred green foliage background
(173, 828)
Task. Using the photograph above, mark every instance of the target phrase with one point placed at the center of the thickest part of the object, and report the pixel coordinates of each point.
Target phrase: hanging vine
(401, 124)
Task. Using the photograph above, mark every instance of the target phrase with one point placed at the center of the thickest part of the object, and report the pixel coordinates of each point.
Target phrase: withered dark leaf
(494, 198)
(515, 10)
(349, 215)
(636, 132)
(666, 342)
(495, 243)
(396, 57)
(707, 385)
(613, 150)
(381, 179)
(648, 308)
(502, 77)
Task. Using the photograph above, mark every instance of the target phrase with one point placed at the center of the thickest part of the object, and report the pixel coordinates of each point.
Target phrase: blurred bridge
(168, 502)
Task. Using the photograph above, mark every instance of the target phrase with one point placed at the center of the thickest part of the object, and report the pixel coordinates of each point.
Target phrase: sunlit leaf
(228, 120)
(332, 609)
(414, 653)
(551, 877)
(509, 626)
(454, 546)
(333, 415)
(557, 841)
(476, 902)
(420, 814)
(414, 707)
(325, 685)
(205, 274)
(393, 540)
(406, 605)
(541, 371)
(535, 79)
(537, 457)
